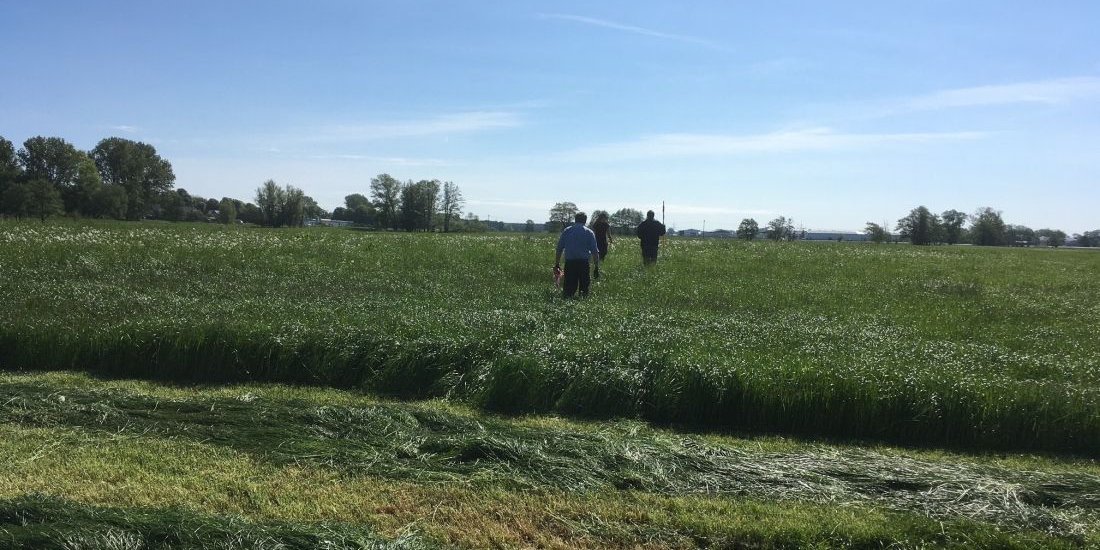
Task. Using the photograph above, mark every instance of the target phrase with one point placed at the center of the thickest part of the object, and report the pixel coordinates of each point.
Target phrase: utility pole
(662, 212)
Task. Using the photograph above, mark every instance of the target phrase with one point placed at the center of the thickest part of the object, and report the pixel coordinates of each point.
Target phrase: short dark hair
(580, 217)
(649, 214)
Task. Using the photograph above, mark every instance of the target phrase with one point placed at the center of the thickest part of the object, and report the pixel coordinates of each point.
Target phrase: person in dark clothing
(650, 232)
(578, 243)
(602, 229)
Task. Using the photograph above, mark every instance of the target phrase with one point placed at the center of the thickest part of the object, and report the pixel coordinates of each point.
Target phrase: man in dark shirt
(578, 244)
(650, 232)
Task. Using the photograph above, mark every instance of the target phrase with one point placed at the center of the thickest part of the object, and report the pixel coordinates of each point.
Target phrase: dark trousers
(649, 254)
(576, 274)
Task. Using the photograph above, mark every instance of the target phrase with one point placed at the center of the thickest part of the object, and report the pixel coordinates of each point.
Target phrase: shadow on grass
(45, 523)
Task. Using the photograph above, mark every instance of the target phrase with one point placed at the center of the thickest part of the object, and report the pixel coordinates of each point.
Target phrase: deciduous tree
(35, 198)
(875, 232)
(987, 228)
(561, 215)
(10, 171)
(748, 229)
(110, 201)
(953, 221)
(918, 227)
(1051, 237)
(227, 211)
(137, 168)
(280, 206)
(451, 205)
(418, 205)
(780, 229)
(68, 169)
(386, 193)
(625, 220)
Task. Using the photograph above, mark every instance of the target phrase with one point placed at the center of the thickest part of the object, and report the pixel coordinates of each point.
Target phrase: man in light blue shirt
(578, 244)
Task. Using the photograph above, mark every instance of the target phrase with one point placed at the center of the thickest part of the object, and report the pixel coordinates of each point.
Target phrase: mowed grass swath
(987, 348)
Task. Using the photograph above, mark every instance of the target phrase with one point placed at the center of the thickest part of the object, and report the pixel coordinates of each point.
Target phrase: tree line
(127, 180)
(986, 227)
(920, 227)
(425, 205)
(623, 221)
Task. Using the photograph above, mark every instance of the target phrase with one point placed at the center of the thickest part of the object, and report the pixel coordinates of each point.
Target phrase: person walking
(578, 244)
(602, 229)
(650, 232)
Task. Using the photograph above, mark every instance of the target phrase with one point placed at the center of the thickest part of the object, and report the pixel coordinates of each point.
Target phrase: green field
(959, 346)
(842, 347)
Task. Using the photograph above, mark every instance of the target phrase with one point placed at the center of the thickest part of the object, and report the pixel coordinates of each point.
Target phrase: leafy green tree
(451, 205)
(250, 213)
(561, 215)
(780, 229)
(357, 209)
(110, 201)
(471, 224)
(748, 229)
(1020, 235)
(987, 228)
(67, 168)
(137, 168)
(952, 221)
(171, 206)
(529, 226)
(227, 211)
(625, 220)
(311, 209)
(281, 206)
(386, 192)
(10, 171)
(876, 233)
(1051, 237)
(356, 201)
(418, 205)
(918, 227)
(271, 199)
(1090, 239)
(35, 198)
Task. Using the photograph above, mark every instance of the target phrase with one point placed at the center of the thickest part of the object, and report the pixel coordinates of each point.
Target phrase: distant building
(327, 222)
(835, 236)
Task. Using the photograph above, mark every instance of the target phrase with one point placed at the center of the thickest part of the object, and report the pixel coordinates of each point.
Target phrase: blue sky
(833, 113)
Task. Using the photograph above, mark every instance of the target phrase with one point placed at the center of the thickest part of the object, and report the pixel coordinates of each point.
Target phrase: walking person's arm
(594, 250)
(561, 246)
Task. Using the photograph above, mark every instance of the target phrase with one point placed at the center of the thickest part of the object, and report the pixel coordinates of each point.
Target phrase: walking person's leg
(586, 280)
(572, 278)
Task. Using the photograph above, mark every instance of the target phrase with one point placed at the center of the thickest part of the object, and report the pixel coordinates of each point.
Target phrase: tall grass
(989, 348)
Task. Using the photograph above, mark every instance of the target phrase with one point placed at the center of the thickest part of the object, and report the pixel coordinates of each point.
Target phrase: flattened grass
(254, 450)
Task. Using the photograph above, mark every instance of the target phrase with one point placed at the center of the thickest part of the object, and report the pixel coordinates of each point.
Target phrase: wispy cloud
(629, 28)
(442, 125)
(814, 139)
(390, 161)
(697, 210)
(126, 128)
(528, 203)
(1054, 91)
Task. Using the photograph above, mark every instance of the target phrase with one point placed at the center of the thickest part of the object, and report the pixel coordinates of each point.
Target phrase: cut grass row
(944, 346)
(146, 462)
